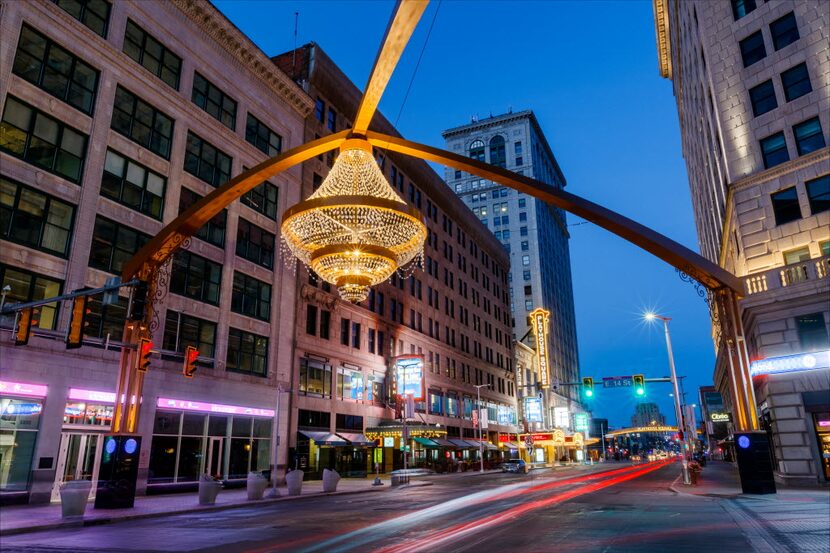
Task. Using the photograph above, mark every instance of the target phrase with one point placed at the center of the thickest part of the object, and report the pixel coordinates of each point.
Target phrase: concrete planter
(294, 481)
(256, 485)
(330, 480)
(208, 490)
(74, 497)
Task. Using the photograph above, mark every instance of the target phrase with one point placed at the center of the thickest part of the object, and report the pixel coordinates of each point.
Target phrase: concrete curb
(79, 522)
(678, 487)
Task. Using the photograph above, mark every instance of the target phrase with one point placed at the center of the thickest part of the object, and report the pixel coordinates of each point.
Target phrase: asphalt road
(609, 509)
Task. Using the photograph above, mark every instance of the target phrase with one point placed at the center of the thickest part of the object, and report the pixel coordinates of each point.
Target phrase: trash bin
(294, 481)
(330, 480)
(208, 489)
(74, 497)
(256, 485)
(398, 479)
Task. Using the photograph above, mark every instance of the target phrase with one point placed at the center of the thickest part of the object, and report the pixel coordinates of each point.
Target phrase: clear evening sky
(589, 71)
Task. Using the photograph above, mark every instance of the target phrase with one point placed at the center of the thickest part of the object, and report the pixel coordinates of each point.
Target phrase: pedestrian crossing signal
(190, 356)
(588, 387)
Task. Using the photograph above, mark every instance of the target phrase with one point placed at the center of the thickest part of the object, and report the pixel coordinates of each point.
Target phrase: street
(616, 507)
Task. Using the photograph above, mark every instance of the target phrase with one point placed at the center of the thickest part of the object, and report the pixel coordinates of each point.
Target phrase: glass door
(214, 457)
(78, 460)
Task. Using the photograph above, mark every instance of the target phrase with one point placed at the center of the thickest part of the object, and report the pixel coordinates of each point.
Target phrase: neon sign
(540, 318)
(186, 405)
(791, 363)
(91, 395)
(22, 389)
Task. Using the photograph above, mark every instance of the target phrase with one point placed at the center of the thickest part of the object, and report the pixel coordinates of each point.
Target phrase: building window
(796, 82)
(808, 136)
(315, 378)
(26, 286)
(818, 191)
(522, 231)
(152, 54)
(41, 140)
(522, 202)
(55, 70)
(113, 245)
(742, 7)
(204, 161)
(785, 206)
(528, 305)
(182, 330)
(311, 320)
(497, 151)
(251, 297)
(784, 31)
(196, 277)
(212, 232)
(763, 98)
(325, 324)
(797, 256)
(752, 49)
(477, 150)
(774, 150)
(34, 219)
(142, 123)
(350, 384)
(436, 402)
(525, 260)
(344, 331)
(105, 320)
(331, 121)
(263, 198)
(812, 332)
(319, 109)
(95, 14)
(255, 244)
(216, 103)
(263, 138)
(356, 335)
(247, 353)
(133, 185)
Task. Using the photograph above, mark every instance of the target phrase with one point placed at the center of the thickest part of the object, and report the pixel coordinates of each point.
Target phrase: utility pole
(480, 439)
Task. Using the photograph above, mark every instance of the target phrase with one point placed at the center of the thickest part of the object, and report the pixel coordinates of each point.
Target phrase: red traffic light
(145, 346)
(190, 356)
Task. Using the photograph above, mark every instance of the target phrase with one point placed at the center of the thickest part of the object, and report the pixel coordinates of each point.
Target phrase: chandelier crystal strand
(354, 231)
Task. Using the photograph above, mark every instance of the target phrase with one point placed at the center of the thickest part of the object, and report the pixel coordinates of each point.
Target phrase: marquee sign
(720, 417)
(539, 318)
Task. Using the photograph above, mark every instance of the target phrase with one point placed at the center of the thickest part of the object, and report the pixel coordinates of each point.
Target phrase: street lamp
(480, 442)
(274, 491)
(677, 411)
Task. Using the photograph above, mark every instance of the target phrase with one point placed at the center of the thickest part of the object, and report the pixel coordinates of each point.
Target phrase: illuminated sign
(581, 422)
(388, 442)
(520, 370)
(720, 417)
(356, 385)
(561, 417)
(91, 395)
(743, 442)
(540, 318)
(791, 363)
(22, 389)
(409, 374)
(23, 409)
(533, 409)
(504, 414)
(540, 437)
(186, 405)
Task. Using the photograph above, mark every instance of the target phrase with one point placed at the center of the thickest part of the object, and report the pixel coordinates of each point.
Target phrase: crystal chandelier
(354, 231)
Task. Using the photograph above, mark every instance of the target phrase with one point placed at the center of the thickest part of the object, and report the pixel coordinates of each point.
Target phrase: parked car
(515, 465)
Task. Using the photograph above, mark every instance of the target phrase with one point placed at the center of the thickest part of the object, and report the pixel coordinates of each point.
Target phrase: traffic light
(190, 355)
(639, 385)
(138, 305)
(77, 322)
(588, 387)
(25, 320)
(144, 347)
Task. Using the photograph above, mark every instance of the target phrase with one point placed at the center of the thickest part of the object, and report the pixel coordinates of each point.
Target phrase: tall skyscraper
(753, 95)
(534, 233)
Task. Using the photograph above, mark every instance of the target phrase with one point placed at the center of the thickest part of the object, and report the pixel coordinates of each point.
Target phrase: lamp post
(480, 439)
(274, 491)
(677, 411)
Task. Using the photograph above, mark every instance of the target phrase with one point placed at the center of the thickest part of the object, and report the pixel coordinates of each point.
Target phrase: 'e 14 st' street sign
(617, 382)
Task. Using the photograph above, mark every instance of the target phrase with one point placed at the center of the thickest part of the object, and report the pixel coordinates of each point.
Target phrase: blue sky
(589, 71)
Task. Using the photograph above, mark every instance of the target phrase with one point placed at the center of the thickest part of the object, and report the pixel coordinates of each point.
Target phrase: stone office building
(453, 311)
(115, 117)
(752, 84)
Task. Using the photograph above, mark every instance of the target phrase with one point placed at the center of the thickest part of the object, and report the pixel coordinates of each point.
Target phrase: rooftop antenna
(294, 58)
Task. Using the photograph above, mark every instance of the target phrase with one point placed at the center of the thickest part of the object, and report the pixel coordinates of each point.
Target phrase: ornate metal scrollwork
(159, 286)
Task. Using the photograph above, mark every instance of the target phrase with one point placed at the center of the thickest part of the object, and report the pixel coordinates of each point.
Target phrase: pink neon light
(22, 389)
(91, 395)
(212, 407)
(824, 423)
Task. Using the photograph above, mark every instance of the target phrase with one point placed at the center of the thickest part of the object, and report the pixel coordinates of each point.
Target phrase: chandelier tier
(354, 231)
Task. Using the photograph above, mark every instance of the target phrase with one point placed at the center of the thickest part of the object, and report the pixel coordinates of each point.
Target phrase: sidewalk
(18, 519)
(792, 520)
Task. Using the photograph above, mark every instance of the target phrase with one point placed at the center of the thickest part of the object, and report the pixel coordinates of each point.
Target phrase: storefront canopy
(324, 438)
(426, 442)
(513, 445)
(357, 439)
(461, 444)
(444, 442)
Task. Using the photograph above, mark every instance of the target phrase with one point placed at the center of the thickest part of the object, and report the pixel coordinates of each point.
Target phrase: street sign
(617, 382)
(529, 441)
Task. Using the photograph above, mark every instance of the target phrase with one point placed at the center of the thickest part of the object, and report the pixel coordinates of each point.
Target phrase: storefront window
(468, 407)
(19, 420)
(452, 405)
(349, 384)
(315, 378)
(377, 390)
(436, 401)
(87, 414)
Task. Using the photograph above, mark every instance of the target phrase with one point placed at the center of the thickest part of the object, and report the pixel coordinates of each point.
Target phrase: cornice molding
(661, 28)
(790, 166)
(488, 122)
(208, 19)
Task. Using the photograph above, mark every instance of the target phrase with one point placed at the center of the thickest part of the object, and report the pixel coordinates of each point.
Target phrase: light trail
(431, 542)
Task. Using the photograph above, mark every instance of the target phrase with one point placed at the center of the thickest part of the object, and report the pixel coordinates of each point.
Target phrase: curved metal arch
(155, 252)
(701, 269)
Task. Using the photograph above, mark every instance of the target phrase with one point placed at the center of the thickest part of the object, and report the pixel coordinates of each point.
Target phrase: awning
(426, 442)
(444, 442)
(324, 438)
(357, 439)
(462, 444)
(487, 445)
(512, 445)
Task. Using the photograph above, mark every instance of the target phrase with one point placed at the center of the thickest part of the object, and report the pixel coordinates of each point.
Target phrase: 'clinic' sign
(539, 318)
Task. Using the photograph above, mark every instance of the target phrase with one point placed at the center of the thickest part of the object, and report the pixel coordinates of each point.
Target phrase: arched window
(497, 152)
(477, 150)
